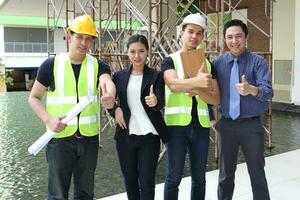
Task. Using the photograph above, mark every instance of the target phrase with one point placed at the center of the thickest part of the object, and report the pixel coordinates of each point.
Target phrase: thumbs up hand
(107, 100)
(203, 68)
(204, 79)
(244, 79)
(151, 100)
(244, 88)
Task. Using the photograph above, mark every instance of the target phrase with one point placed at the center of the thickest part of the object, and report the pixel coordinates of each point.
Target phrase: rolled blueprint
(46, 137)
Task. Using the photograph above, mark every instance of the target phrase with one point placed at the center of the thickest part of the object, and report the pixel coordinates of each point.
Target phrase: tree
(4, 76)
(185, 7)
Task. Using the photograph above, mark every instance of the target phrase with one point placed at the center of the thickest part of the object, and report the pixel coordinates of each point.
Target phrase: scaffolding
(158, 19)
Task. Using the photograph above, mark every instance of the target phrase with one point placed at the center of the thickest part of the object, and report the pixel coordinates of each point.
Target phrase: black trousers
(138, 158)
(249, 135)
(72, 157)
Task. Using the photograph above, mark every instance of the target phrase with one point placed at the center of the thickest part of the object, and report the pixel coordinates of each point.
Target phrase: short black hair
(138, 38)
(235, 22)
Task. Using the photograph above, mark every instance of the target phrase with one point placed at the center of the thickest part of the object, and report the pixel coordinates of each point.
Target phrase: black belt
(242, 119)
(77, 136)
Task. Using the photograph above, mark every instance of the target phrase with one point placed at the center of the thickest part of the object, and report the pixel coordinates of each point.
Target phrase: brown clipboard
(192, 62)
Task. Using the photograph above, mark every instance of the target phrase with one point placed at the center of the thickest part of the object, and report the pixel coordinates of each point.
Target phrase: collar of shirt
(241, 57)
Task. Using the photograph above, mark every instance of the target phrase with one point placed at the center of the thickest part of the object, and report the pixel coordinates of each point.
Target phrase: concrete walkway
(282, 171)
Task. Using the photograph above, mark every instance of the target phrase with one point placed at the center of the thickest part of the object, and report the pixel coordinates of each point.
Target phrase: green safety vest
(64, 97)
(179, 105)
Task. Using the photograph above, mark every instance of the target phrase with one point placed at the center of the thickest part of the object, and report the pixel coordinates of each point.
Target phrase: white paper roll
(46, 137)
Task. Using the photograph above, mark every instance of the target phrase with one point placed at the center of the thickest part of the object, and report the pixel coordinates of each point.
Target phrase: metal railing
(27, 47)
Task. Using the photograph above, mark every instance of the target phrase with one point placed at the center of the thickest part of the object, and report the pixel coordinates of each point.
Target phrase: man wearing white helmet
(67, 78)
(186, 112)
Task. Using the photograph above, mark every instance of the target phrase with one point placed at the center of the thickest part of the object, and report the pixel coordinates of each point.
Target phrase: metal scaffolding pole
(157, 19)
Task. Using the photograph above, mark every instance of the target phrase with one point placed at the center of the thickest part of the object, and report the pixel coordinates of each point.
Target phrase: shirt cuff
(112, 111)
(260, 95)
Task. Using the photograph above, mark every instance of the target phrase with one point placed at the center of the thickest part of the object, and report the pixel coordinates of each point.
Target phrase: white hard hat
(194, 19)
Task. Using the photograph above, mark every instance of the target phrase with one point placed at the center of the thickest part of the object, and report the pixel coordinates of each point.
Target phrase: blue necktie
(234, 103)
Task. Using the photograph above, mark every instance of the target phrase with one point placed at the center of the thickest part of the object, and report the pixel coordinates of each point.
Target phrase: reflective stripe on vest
(84, 120)
(66, 100)
(186, 110)
(179, 105)
(64, 97)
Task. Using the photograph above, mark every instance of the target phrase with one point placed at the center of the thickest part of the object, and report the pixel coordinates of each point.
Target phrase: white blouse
(139, 122)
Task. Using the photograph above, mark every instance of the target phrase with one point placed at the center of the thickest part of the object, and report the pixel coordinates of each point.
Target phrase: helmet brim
(203, 27)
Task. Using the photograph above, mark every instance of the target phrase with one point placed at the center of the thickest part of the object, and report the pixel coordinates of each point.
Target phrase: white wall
(24, 8)
(38, 8)
(1, 38)
(283, 43)
(60, 45)
(16, 60)
(283, 29)
(296, 67)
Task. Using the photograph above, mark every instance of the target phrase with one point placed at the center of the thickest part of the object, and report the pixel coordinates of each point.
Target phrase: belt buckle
(78, 135)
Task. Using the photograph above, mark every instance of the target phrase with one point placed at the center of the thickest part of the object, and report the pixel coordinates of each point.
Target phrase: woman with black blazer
(140, 124)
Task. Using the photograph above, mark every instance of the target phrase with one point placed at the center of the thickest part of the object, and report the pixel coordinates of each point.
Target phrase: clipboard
(192, 62)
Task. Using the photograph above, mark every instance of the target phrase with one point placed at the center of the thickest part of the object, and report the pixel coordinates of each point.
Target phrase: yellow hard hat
(83, 25)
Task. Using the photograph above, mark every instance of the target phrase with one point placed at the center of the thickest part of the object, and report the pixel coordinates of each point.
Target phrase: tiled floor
(282, 171)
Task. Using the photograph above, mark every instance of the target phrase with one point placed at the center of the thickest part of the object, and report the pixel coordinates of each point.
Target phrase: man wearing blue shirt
(245, 87)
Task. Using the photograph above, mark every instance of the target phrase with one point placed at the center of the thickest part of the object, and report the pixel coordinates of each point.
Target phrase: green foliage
(181, 11)
(5, 75)
(2, 70)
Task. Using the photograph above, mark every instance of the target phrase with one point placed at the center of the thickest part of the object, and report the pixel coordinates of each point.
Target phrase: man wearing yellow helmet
(68, 78)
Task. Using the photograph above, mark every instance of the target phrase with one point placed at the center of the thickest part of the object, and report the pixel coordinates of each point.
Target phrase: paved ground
(282, 172)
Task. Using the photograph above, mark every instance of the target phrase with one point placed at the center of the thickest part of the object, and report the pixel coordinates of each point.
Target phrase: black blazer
(150, 77)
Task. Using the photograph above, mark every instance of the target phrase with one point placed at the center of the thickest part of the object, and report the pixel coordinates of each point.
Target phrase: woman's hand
(151, 100)
(213, 124)
(120, 118)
